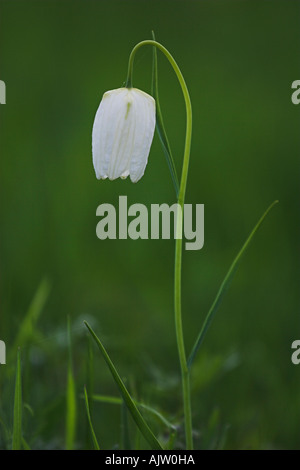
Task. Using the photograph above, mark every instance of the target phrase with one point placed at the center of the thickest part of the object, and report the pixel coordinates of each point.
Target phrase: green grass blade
(149, 409)
(157, 414)
(107, 399)
(160, 124)
(71, 406)
(25, 445)
(223, 288)
(171, 441)
(136, 415)
(36, 306)
(90, 384)
(125, 435)
(17, 423)
(96, 445)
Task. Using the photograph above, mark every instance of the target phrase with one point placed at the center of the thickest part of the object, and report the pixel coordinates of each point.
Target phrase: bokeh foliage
(239, 59)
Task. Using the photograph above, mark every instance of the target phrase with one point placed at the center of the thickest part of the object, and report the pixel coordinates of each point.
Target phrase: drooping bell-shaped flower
(122, 134)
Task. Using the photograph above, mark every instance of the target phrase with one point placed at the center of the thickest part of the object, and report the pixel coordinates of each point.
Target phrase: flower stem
(185, 375)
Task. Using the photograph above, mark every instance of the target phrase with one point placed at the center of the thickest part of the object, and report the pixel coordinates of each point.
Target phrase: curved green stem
(178, 247)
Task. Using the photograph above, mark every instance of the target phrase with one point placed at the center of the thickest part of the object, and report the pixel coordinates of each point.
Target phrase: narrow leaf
(90, 382)
(160, 124)
(27, 327)
(25, 445)
(136, 415)
(223, 288)
(17, 424)
(171, 441)
(96, 445)
(149, 409)
(71, 407)
(125, 435)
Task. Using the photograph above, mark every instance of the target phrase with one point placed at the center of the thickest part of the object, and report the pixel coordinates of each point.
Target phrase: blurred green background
(239, 59)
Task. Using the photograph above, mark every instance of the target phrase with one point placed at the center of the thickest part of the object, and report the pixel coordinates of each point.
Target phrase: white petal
(143, 135)
(122, 133)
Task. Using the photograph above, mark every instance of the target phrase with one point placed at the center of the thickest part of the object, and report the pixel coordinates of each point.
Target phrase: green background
(239, 59)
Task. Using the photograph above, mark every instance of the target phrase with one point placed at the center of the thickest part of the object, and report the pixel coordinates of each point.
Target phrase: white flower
(122, 134)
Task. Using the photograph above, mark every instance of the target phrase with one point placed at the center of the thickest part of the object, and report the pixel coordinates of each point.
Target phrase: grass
(148, 426)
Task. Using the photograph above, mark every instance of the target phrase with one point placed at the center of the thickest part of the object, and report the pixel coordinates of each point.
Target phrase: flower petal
(122, 133)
